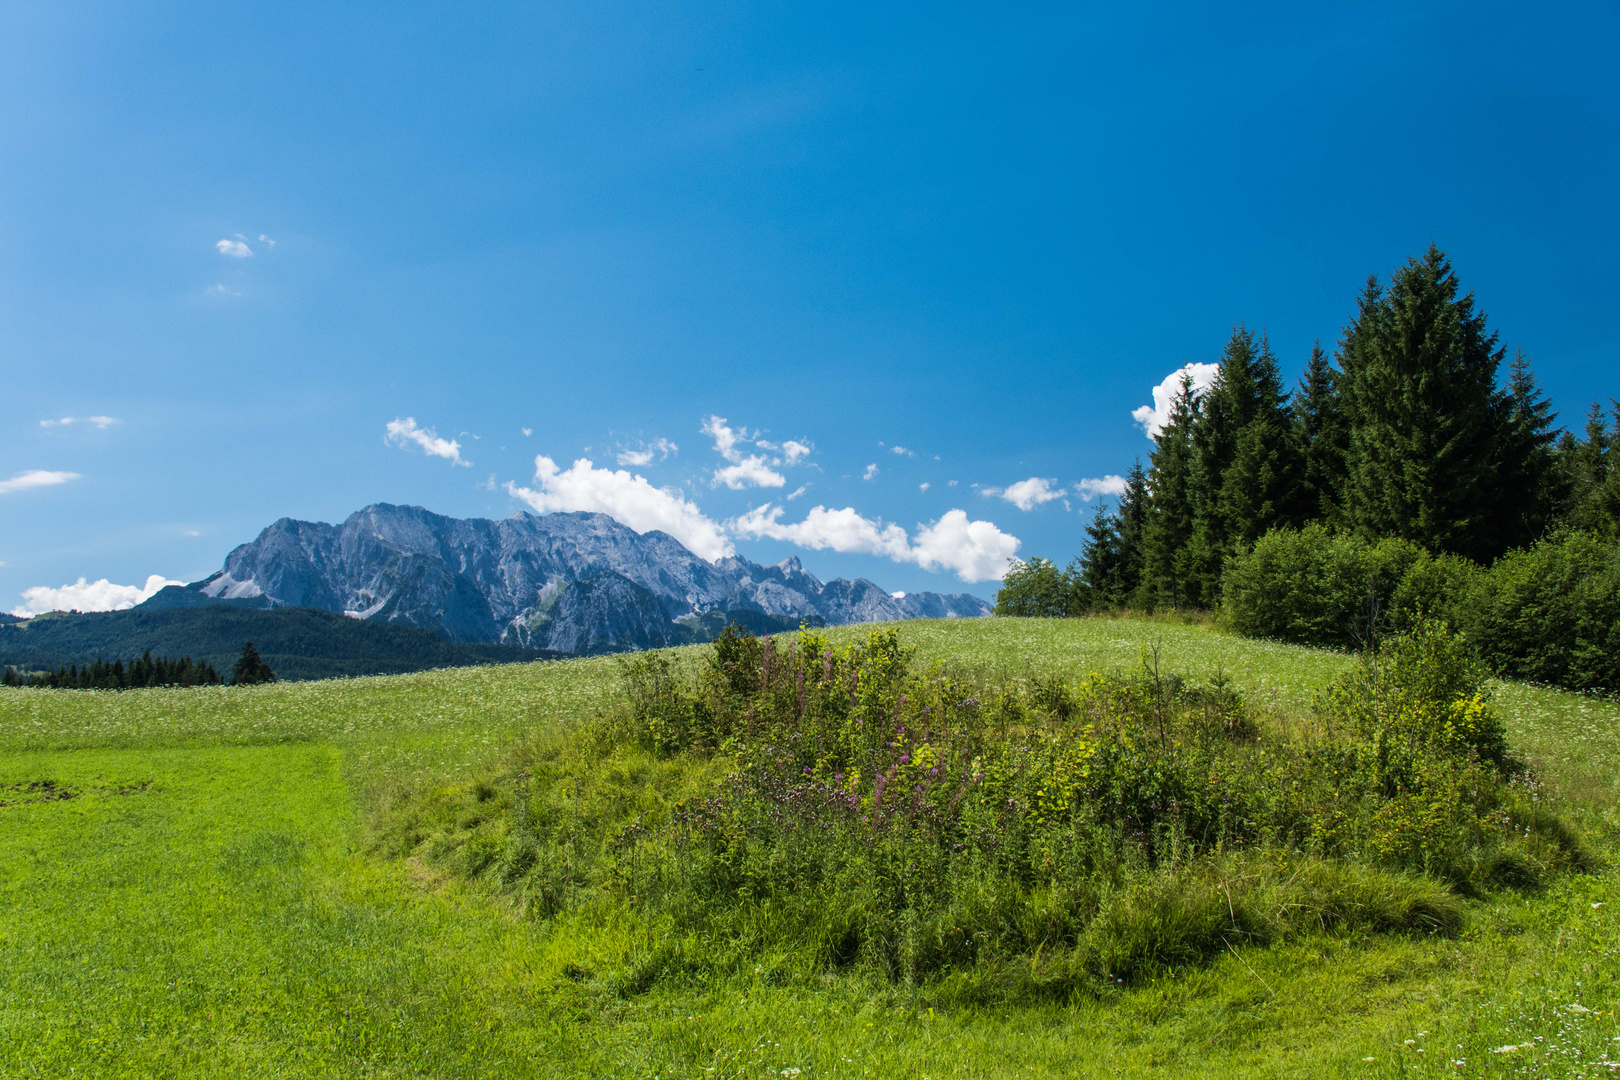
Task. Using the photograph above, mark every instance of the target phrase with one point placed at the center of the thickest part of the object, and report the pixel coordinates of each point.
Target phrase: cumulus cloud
(841, 530)
(1154, 417)
(973, 550)
(1091, 487)
(234, 248)
(645, 452)
(902, 451)
(923, 486)
(871, 471)
(35, 478)
(67, 421)
(405, 433)
(1026, 494)
(794, 451)
(84, 595)
(626, 498)
(744, 470)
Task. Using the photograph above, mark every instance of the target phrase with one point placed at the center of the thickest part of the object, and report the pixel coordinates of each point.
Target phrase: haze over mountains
(570, 582)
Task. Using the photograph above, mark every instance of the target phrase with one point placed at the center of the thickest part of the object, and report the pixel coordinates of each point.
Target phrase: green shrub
(813, 808)
(1551, 613)
(1315, 587)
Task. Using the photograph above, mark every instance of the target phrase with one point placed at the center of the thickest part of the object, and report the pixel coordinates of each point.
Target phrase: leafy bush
(819, 808)
(1549, 614)
(1038, 589)
(1314, 586)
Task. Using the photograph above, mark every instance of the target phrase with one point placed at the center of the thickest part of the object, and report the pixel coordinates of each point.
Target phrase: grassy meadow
(199, 882)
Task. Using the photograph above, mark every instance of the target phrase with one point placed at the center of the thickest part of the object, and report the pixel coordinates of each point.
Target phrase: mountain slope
(573, 582)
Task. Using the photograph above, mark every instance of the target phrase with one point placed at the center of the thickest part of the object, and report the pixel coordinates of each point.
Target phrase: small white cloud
(404, 433)
(1091, 487)
(841, 530)
(871, 471)
(1154, 417)
(266, 240)
(898, 595)
(527, 431)
(951, 484)
(190, 532)
(486, 485)
(973, 550)
(102, 422)
(234, 248)
(923, 486)
(35, 478)
(1027, 494)
(628, 499)
(794, 451)
(751, 470)
(646, 452)
(100, 595)
(220, 290)
(802, 489)
(902, 451)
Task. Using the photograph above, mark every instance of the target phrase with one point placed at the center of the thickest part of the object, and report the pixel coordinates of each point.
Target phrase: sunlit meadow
(189, 886)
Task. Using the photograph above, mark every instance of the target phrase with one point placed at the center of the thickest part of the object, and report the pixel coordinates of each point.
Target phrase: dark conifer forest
(1418, 447)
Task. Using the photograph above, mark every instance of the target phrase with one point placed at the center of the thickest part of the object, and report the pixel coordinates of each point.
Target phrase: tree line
(1418, 428)
(147, 671)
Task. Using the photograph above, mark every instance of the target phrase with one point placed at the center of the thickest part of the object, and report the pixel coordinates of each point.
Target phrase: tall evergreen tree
(251, 668)
(1132, 517)
(1167, 573)
(1527, 483)
(1260, 489)
(1322, 435)
(1421, 379)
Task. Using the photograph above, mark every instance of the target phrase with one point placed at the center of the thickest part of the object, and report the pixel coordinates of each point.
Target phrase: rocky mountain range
(571, 582)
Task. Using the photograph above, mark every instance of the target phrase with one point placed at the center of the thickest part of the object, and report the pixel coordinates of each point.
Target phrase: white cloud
(1026, 494)
(527, 431)
(794, 451)
(658, 448)
(100, 595)
(66, 421)
(404, 433)
(234, 248)
(871, 471)
(751, 470)
(1091, 487)
(841, 530)
(35, 478)
(266, 240)
(902, 451)
(1154, 417)
(220, 290)
(628, 499)
(923, 486)
(973, 550)
(801, 490)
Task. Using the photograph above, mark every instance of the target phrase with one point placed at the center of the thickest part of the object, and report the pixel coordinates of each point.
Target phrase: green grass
(204, 904)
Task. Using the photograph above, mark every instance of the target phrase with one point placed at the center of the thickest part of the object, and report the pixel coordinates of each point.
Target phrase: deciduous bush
(817, 808)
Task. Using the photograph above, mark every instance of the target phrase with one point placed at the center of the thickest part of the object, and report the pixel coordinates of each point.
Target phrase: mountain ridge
(570, 582)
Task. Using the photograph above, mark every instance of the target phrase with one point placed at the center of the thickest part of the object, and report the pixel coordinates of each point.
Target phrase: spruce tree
(1322, 435)
(1420, 373)
(1099, 578)
(1528, 484)
(251, 668)
(1260, 489)
(1131, 514)
(1168, 529)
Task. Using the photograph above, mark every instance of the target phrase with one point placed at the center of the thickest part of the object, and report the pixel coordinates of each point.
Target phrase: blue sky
(979, 233)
